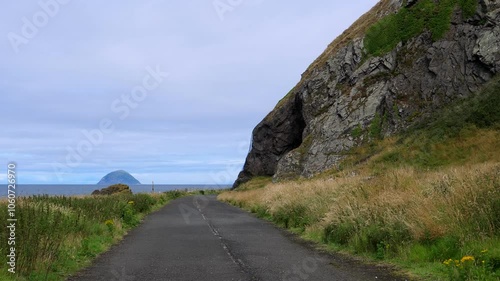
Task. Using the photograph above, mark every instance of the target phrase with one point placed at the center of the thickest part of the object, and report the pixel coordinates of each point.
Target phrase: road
(200, 238)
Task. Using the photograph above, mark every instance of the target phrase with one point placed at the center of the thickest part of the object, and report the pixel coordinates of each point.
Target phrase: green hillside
(427, 199)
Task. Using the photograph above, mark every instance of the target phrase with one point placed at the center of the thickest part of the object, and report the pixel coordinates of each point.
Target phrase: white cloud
(225, 77)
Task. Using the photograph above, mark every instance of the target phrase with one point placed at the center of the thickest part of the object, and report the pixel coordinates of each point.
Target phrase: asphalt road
(199, 238)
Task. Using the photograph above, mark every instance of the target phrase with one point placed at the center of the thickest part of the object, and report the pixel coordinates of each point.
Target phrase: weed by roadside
(427, 200)
(59, 235)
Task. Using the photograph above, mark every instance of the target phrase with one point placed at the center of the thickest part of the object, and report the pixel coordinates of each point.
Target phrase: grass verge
(57, 236)
(427, 200)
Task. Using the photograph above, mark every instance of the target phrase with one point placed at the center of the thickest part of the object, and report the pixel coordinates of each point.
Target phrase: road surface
(199, 238)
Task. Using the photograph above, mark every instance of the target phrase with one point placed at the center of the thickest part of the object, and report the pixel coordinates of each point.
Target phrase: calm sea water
(72, 190)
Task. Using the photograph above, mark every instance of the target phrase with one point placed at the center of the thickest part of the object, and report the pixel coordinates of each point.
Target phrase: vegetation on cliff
(409, 22)
(428, 199)
(391, 69)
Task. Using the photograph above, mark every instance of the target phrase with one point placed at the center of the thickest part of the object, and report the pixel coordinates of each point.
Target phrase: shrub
(143, 203)
(434, 16)
(174, 194)
(357, 132)
(113, 189)
(339, 233)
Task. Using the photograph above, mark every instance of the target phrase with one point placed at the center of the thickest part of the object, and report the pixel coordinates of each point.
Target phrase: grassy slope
(58, 236)
(407, 23)
(416, 200)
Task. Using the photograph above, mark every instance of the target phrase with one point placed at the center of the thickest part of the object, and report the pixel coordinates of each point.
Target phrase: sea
(79, 190)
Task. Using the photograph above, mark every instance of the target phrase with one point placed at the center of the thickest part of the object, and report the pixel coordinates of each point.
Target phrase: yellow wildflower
(447, 262)
(484, 251)
(109, 222)
(466, 259)
(131, 202)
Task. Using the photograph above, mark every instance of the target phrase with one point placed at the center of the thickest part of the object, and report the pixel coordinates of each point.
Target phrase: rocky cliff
(369, 84)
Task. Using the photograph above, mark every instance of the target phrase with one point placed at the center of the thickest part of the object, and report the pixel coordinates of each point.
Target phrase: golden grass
(430, 204)
(255, 183)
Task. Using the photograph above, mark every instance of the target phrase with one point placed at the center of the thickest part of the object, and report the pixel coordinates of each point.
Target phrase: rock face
(345, 97)
(274, 137)
(119, 176)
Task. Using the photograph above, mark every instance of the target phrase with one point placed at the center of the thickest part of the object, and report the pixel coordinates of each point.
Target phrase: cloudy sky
(166, 90)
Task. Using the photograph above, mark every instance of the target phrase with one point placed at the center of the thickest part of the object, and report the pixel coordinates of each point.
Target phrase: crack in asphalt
(168, 247)
(246, 269)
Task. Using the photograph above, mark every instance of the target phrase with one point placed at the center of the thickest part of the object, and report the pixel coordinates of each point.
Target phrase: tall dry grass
(413, 217)
(427, 205)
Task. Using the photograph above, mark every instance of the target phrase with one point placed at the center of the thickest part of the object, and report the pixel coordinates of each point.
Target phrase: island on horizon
(117, 177)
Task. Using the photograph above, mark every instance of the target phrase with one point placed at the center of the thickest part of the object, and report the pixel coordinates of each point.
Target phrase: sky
(169, 91)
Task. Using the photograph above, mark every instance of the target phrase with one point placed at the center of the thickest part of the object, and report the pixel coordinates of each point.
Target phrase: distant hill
(119, 176)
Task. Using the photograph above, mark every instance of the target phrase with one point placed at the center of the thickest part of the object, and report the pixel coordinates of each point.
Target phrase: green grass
(357, 132)
(464, 134)
(57, 236)
(256, 183)
(375, 131)
(427, 257)
(468, 7)
(384, 36)
(440, 140)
